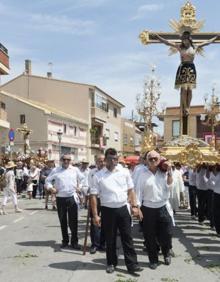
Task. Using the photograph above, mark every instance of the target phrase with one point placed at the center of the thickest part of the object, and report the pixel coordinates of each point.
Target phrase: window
(3, 106)
(22, 119)
(116, 136)
(175, 128)
(115, 112)
(101, 102)
(64, 128)
(75, 130)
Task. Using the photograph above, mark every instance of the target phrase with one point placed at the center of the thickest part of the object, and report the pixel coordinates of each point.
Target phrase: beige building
(196, 128)
(131, 137)
(84, 102)
(45, 122)
(4, 126)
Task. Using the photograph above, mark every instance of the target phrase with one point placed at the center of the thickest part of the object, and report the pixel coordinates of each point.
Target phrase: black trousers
(35, 185)
(157, 228)
(97, 235)
(67, 207)
(210, 207)
(118, 219)
(192, 199)
(216, 211)
(202, 204)
(19, 184)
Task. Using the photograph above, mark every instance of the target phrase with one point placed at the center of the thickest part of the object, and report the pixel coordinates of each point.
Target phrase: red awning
(132, 159)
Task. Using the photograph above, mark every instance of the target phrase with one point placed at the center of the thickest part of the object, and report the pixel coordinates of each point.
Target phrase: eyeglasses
(67, 160)
(153, 159)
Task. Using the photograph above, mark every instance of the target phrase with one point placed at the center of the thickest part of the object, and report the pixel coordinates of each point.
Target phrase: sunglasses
(67, 160)
(153, 159)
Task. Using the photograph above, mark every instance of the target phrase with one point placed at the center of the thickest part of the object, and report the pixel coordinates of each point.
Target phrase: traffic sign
(11, 134)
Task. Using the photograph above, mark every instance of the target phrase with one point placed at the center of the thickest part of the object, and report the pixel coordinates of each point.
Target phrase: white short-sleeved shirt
(112, 187)
(214, 182)
(152, 189)
(192, 177)
(65, 180)
(201, 184)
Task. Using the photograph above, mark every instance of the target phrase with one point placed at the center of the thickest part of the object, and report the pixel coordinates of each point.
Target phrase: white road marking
(33, 212)
(18, 219)
(2, 227)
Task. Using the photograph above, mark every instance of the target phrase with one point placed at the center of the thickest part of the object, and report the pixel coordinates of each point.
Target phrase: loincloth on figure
(186, 76)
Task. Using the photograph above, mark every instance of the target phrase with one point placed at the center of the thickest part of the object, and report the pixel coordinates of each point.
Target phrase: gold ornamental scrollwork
(191, 155)
(144, 37)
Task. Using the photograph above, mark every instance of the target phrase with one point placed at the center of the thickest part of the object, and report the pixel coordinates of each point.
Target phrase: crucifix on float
(187, 40)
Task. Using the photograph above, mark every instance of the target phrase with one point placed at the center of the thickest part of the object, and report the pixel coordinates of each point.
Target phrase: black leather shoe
(63, 245)
(102, 249)
(167, 260)
(76, 246)
(153, 265)
(93, 250)
(135, 268)
(110, 268)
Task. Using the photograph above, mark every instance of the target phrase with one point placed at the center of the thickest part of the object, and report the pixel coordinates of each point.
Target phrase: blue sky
(96, 42)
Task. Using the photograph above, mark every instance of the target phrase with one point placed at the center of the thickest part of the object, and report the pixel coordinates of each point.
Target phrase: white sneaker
(18, 210)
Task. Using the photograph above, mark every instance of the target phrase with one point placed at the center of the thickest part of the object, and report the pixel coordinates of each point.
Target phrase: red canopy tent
(132, 159)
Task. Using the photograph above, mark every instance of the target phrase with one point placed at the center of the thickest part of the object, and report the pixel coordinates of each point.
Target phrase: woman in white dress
(10, 188)
(178, 187)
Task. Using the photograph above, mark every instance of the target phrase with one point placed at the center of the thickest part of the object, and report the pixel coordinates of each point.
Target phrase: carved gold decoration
(144, 37)
(190, 151)
(187, 20)
(148, 143)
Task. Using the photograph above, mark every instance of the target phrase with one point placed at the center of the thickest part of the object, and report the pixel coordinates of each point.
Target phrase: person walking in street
(96, 232)
(115, 188)
(63, 180)
(10, 188)
(49, 166)
(202, 192)
(192, 193)
(153, 192)
(34, 174)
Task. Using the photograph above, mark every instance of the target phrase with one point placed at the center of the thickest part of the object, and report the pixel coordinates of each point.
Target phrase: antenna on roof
(50, 72)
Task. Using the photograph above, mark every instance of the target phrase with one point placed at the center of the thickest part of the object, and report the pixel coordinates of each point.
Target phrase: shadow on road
(77, 265)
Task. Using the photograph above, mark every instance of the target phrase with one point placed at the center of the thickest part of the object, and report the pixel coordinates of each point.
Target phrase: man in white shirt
(202, 192)
(153, 192)
(96, 232)
(115, 188)
(64, 181)
(192, 192)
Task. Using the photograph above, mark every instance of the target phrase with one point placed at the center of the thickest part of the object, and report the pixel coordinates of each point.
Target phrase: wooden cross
(188, 23)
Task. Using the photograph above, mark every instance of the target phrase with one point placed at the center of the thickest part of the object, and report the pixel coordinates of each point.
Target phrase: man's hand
(53, 190)
(97, 220)
(136, 212)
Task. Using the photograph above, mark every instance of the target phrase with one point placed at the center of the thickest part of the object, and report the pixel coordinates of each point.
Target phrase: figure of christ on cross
(186, 72)
(188, 41)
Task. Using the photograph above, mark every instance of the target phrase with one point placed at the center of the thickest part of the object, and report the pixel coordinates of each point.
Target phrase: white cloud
(61, 24)
(145, 9)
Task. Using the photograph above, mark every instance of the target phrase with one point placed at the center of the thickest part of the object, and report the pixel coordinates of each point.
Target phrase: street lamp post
(211, 117)
(59, 135)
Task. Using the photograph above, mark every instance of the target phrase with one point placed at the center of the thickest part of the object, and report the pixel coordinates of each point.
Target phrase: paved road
(29, 244)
